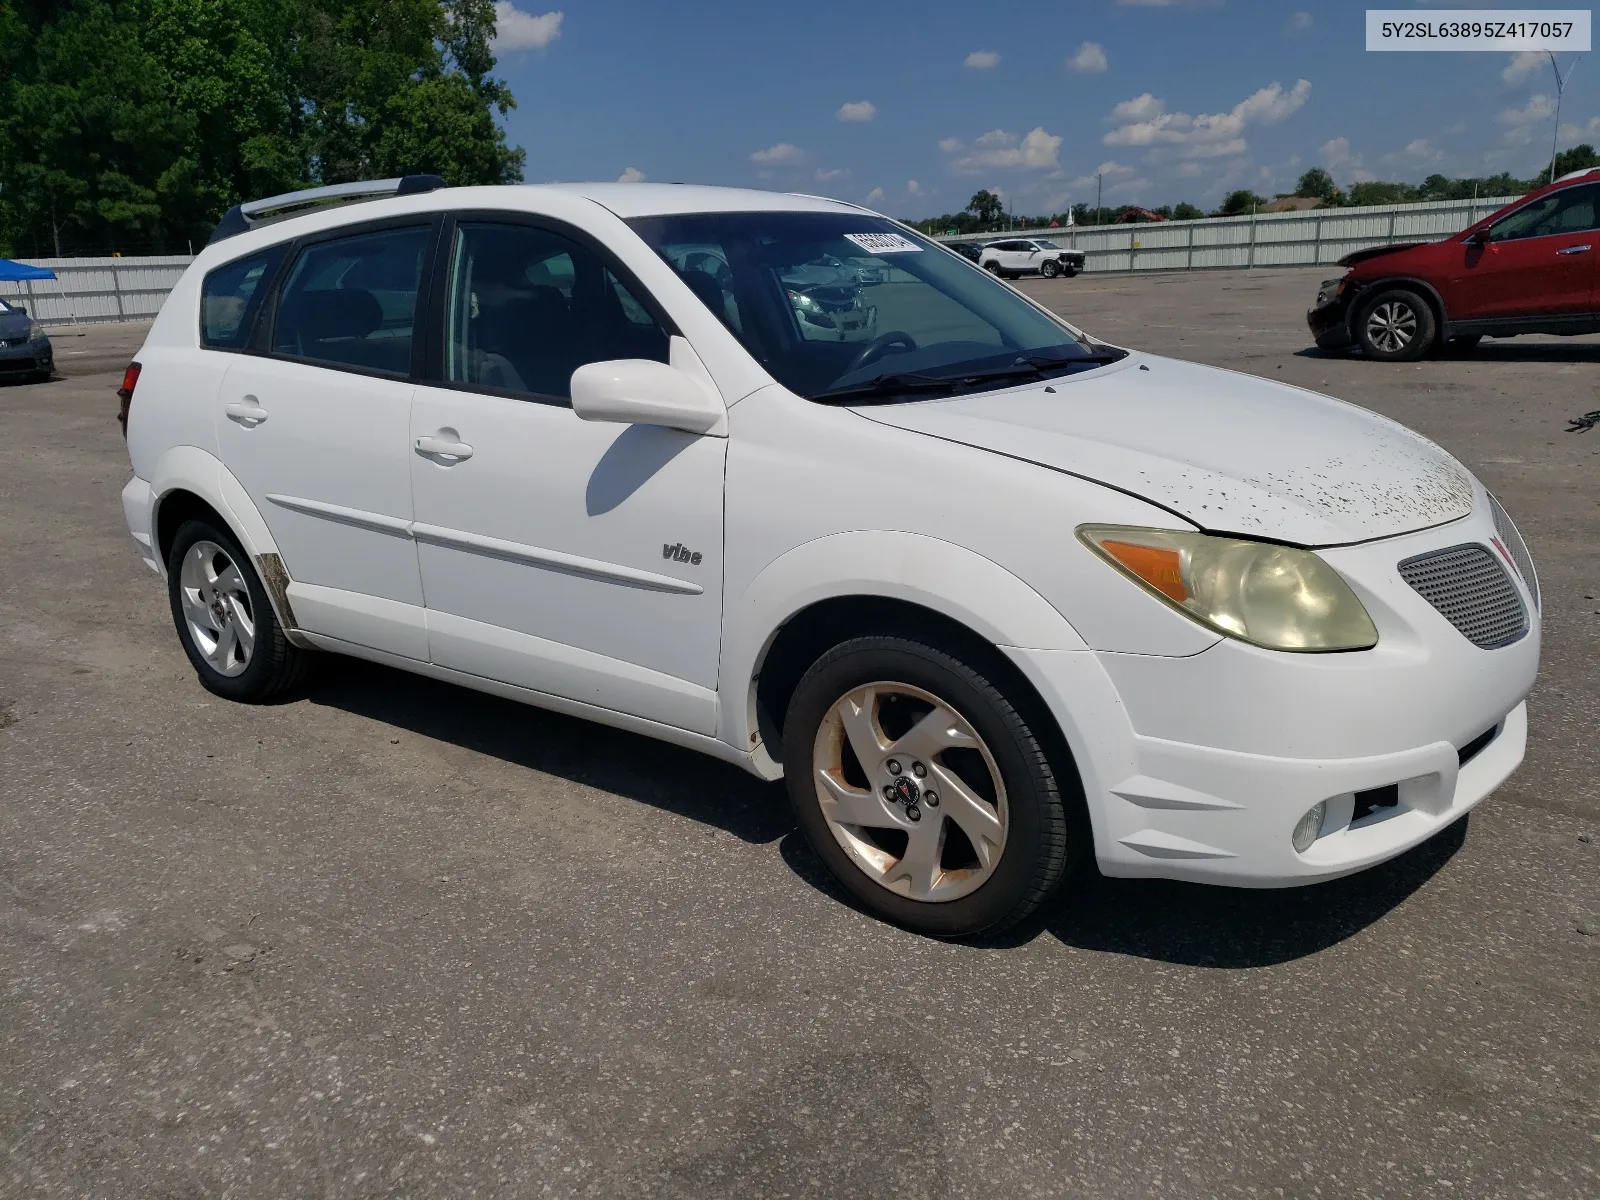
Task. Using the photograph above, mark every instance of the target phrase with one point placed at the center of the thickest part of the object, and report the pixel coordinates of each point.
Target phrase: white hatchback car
(994, 597)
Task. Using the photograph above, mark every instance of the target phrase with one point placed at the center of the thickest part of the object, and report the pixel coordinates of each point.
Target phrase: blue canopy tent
(25, 274)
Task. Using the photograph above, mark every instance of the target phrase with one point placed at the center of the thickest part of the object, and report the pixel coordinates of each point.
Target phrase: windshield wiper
(886, 385)
(1036, 365)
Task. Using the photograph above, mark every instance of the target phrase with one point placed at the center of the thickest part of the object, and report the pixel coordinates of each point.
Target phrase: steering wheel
(879, 346)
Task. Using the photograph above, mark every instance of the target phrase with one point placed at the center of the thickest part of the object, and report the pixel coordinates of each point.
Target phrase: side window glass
(528, 307)
(1572, 210)
(229, 297)
(352, 302)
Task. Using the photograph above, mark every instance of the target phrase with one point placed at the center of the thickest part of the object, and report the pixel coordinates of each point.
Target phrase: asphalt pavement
(394, 938)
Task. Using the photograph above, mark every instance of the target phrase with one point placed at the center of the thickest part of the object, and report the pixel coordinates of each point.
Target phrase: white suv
(994, 597)
(1030, 256)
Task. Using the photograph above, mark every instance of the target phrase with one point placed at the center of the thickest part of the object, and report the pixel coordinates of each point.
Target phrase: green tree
(986, 206)
(1316, 183)
(1575, 159)
(1186, 212)
(1240, 202)
(133, 124)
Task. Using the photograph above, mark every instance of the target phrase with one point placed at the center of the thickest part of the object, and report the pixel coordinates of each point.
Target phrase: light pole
(1561, 86)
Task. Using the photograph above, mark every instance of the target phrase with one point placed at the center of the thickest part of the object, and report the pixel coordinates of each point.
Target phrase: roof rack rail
(242, 218)
(1578, 174)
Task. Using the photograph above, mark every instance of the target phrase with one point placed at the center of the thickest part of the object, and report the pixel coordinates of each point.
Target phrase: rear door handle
(441, 448)
(246, 412)
(1575, 250)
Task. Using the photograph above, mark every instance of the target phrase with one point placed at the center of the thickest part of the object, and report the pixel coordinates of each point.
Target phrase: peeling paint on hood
(1231, 452)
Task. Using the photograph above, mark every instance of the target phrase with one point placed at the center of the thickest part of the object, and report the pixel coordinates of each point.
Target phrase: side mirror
(640, 391)
(1478, 237)
(19, 306)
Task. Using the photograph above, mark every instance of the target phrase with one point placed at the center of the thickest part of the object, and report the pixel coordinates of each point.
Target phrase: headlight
(35, 331)
(1277, 597)
(1329, 291)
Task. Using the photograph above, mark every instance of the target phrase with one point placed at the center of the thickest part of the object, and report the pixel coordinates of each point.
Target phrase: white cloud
(1337, 156)
(1423, 150)
(1574, 133)
(1522, 65)
(631, 175)
(857, 110)
(913, 188)
(828, 176)
(983, 60)
(1089, 60)
(517, 30)
(1524, 124)
(875, 195)
(1144, 121)
(950, 145)
(782, 154)
(1299, 23)
(1038, 151)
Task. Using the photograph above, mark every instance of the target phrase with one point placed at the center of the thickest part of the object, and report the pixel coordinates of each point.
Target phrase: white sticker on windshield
(884, 243)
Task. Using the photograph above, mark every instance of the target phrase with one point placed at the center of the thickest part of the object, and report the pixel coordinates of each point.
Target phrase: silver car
(25, 350)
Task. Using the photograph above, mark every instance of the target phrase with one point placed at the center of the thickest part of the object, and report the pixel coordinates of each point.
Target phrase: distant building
(1292, 204)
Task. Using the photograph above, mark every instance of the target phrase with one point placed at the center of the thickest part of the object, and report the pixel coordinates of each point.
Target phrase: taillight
(130, 380)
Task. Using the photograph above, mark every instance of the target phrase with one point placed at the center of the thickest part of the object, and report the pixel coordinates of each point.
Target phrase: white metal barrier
(1265, 240)
(92, 290)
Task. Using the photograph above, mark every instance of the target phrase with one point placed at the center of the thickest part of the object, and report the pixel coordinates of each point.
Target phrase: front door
(317, 429)
(575, 558)
(1538, 261)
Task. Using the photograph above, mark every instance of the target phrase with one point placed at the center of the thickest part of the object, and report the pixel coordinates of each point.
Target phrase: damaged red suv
(1532, 267)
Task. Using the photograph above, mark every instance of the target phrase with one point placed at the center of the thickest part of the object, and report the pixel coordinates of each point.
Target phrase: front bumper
(1198, 768)
(1330, 324)
(27, 358)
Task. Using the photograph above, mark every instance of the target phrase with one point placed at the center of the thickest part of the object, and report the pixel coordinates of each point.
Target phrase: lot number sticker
(884, 243)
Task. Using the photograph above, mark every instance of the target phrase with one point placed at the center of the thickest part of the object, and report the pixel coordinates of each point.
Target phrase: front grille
(18, 364)
(1472, 591)
(1507, 530)
(14, 341)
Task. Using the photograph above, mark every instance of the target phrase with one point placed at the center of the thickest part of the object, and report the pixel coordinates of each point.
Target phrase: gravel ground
(396, 938)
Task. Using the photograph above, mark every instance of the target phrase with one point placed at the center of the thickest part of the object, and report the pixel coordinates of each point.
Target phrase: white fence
(91, 290)
(1288, 239)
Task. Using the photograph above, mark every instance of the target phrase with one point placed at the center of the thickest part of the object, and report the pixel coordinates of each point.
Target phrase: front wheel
(1396, 326)
(993, 268)
(1050, 269)
(923, 789)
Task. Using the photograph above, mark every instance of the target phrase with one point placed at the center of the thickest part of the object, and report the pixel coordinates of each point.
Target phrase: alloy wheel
(910, 791)
(1391, 326)
(216, 608)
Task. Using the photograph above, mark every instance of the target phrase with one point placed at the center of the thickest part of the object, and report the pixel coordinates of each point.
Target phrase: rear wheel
(225, 620)
(1050, 269)
(1396, 326)
(923, 788)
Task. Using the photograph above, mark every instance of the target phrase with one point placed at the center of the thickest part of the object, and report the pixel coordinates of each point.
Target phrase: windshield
(832, 304)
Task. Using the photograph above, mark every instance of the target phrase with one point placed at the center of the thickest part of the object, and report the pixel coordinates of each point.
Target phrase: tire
(993, 268)
(207, 562)
(1069, 272)
(997, 779)
(1050, 269)
(1396, 325)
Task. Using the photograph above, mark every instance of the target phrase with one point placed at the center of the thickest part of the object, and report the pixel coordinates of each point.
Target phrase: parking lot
(397, 938)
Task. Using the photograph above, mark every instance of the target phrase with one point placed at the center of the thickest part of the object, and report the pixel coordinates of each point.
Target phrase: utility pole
(1561, 86)
(1098, 178)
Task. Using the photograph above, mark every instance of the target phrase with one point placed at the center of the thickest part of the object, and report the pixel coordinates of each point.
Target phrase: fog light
(1310, 825)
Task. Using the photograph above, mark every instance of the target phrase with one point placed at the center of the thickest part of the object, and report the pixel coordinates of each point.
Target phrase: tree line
(132, 125)
(985, 212)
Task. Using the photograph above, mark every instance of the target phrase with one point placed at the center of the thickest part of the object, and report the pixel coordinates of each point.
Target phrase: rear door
(1539, 261)
(315, 424)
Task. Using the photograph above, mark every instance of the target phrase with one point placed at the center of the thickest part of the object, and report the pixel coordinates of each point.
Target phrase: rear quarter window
(230, 297)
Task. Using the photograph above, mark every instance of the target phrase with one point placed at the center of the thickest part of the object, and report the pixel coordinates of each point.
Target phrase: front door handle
(246, 412)
(442, 448)
(1575, 250)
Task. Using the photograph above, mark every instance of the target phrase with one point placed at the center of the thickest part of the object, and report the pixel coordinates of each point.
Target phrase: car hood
(1361, 256)
(1231, 453)
(13, 325)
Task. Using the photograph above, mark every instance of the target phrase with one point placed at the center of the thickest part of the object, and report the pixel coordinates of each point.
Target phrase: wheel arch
(836, 587)
(1412, 283)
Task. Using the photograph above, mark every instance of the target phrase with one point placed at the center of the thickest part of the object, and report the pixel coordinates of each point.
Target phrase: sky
(912, 107)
